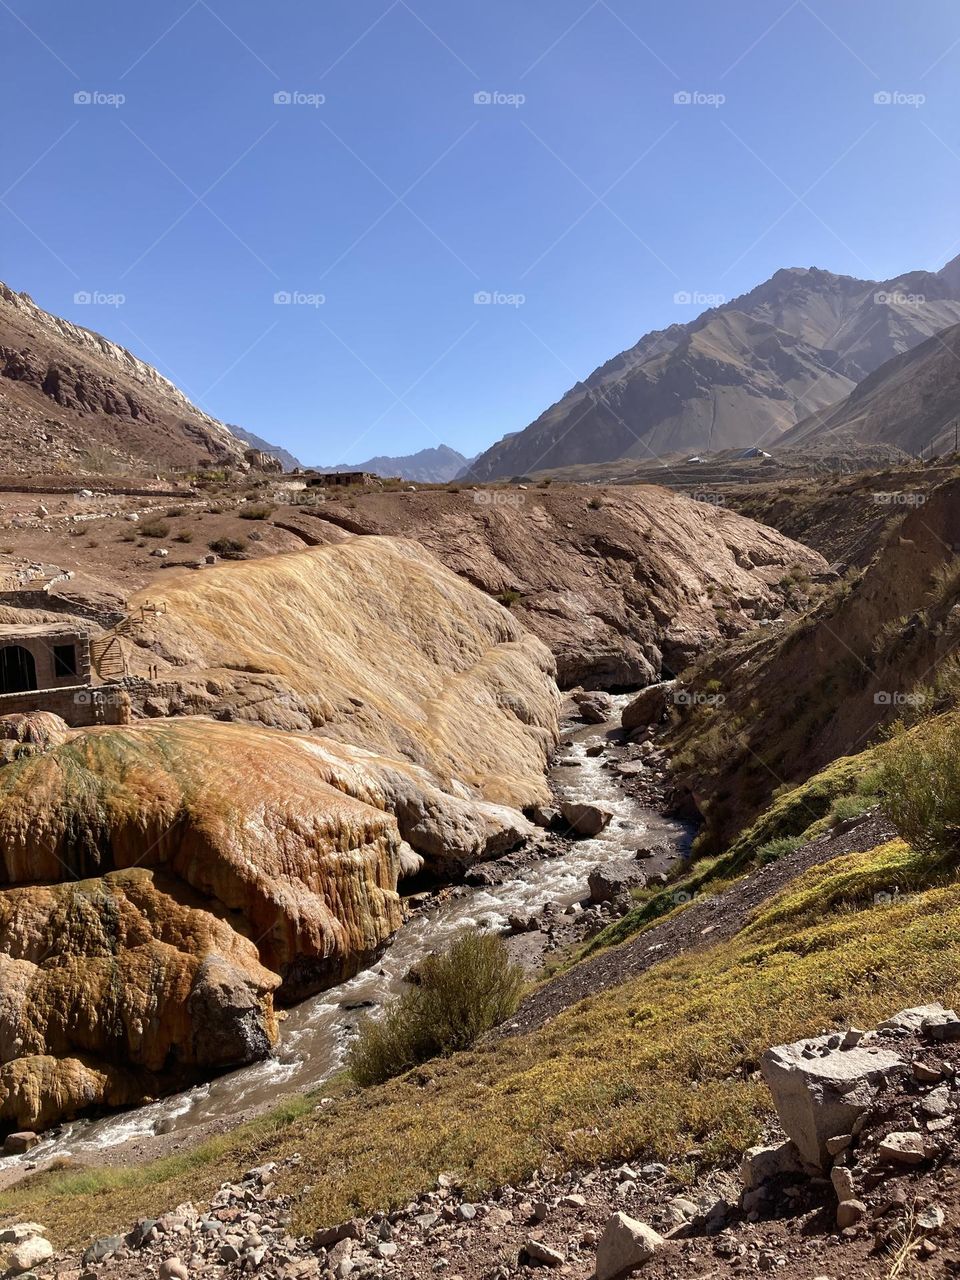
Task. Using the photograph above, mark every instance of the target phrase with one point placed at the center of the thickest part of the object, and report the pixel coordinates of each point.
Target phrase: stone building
(43, 656)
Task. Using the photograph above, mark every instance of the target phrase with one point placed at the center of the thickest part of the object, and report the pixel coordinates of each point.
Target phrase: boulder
(586, 820)
(850, 1212)
(903, 1148)
(649, 706)
(614, 879)
(595, 708)
(909, 1020)
(31, 1253)
(760, 1164)
(819, 1091)
(625, 1244)
(18, 1144)
(543, 816)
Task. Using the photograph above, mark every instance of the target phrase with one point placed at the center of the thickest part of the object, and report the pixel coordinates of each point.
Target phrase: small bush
(773, 850)
(260, 512)
(846, 807)
(461, 994)
(229, 548)
(920, 780)
(185, 535)
(128, 536)
(508, 598)
(173, 512)
(155, 529)
(595, 504)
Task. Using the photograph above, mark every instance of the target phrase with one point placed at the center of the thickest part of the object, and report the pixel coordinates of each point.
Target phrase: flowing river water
(316, 1035)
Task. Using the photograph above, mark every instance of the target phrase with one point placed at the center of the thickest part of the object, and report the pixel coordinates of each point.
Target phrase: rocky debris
(761, 1164)
(649, 707)
(586, 820)
(821, 1088)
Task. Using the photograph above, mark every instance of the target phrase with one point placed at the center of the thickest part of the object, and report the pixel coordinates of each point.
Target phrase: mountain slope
(743, 372)
(290, 461)
(429, 466)
(912, 402)
(75, 401)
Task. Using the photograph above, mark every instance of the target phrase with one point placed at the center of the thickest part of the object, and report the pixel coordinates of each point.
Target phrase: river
(316, 1035)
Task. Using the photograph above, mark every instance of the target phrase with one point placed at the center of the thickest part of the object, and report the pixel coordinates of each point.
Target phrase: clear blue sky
(399, 198)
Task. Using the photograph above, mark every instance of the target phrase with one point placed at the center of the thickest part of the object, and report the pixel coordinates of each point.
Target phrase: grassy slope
(660, 1067)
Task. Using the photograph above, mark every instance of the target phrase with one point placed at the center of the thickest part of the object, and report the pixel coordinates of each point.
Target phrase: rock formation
(622, 584)
(161, 883)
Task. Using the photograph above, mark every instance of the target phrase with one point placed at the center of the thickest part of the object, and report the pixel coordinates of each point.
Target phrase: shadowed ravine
(316, 1034)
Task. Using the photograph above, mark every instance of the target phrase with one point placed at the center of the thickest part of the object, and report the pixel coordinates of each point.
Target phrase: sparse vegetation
(185, 535)
(459, 995)
(229, 548)
(508, 598)
(920, 780)
(155, 529)
(260, 511)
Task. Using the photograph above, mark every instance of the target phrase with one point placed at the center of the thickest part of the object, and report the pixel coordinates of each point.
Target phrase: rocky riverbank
(865, 1185)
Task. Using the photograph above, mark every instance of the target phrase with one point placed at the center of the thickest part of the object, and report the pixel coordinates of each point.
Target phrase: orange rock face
(163, 883)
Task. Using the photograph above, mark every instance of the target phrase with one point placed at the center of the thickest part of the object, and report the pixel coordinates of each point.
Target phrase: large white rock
(819, 1091)
(625, 1244)
(913, 1019)
(31, 1253)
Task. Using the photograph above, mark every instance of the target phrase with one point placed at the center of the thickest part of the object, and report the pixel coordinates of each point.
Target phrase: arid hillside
(741, 374)
(74, 402)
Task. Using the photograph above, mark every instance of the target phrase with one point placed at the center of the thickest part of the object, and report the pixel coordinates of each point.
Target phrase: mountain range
(429, 466)
(743, 373)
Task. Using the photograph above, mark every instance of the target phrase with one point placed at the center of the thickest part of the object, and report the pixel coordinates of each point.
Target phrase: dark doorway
(18, 671)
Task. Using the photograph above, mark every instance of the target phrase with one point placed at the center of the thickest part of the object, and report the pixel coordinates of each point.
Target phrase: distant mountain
(912, 403)
(743, 372)
(275, 450)
(73, 401)
(429, 466)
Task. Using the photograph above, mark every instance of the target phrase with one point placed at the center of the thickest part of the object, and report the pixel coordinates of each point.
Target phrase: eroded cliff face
(163, 883)
(624, 584)
(373, 642)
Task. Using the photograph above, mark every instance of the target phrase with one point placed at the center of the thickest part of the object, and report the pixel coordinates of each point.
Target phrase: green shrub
(773, 850)
(508, 598)
(920, 779)
(462, 993)
(845, 807)
(155, 529)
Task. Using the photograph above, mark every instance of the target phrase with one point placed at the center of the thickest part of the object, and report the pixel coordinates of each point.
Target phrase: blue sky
(583, 197)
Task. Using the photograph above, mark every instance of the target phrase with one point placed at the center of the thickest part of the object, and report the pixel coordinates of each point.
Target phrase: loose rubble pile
(866, 1176)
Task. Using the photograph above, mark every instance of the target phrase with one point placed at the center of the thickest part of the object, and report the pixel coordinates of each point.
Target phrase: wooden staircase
(107, 654)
